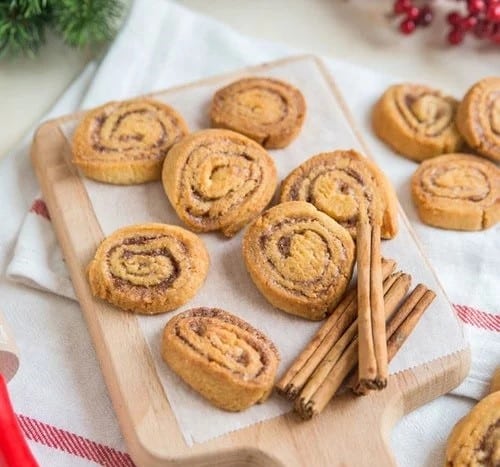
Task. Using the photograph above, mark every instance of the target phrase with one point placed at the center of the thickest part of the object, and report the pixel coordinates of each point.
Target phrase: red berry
(426, 16)
(482, 29)
(402, 6)
(455, 36)
(476, 6)
(454, 18)
(413, 13)
(407, 26)
(494, 12)
(468, 23)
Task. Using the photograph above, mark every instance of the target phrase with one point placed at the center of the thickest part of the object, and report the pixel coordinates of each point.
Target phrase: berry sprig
(482, 19)
(413, 15)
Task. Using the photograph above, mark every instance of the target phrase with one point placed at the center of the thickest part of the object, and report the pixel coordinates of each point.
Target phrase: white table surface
(355, 30)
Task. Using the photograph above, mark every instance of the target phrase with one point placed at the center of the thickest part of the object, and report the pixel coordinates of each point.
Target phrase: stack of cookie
(451, 189)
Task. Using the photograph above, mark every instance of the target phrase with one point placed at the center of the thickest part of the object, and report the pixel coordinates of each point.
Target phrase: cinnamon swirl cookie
(458, 192)
(478, 117)
(149, 268)
(475, 439)
(299, 258)
(418, 122)
(340, 183)
(267, 110)
(126, 142)
(218, 180)
(222, 357)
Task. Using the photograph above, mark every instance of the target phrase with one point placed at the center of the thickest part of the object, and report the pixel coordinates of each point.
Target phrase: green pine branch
(22, 26)
(86, 22)
(80, 23)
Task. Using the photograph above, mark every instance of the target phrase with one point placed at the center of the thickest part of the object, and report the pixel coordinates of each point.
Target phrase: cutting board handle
(359, 428)
(356, 431)
(369, 443)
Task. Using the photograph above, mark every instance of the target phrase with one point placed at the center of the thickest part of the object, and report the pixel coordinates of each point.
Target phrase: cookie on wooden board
(222, 357)
(149, 268)
(126, 142)
(299, 258)
(218, 180)
(269, 111)
(340, 183)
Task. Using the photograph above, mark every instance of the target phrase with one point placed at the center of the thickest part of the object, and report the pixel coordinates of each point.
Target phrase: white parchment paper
(228, 284)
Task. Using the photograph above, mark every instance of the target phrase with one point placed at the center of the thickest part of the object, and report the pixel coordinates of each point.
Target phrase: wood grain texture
(337, 437)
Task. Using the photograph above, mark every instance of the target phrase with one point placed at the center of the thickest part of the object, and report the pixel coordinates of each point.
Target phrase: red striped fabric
(72, 443)
(477, 318)
(39, 207)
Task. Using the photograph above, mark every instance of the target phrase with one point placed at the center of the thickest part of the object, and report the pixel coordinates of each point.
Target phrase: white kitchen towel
(59, 382)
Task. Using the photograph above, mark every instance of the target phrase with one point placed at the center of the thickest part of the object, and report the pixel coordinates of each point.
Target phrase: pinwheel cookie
(300, 259)
(478, 117)
(418, 122)
(126, 142)
(340, 183)
(475, 440)
(457, 191)
(149, 268)
(222, 357)
(218, 180)
(267, 110)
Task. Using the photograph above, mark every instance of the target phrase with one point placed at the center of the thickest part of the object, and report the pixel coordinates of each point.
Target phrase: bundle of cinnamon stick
(362, 334)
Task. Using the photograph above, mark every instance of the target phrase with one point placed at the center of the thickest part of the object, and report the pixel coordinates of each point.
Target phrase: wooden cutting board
(351, 431)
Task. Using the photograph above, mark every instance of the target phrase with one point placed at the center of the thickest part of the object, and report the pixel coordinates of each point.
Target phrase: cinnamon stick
(401, 332)
(409, 304)
(400, 325)
(295, 378)
(339, 347)
(373, 367)
(324, 384)
(334, 327)
(310, 407)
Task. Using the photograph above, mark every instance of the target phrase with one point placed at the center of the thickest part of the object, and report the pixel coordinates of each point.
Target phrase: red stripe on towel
(39, 207)
(479, 319)
(57, 438)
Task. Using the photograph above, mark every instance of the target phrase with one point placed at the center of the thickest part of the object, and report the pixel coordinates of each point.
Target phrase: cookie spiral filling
(475, 440)
(218, 180)
(299, 258)
(266, 110)
(151, 268)
(236, 364)
(417, 121)
(478, 118)
(340, 183)
(458, 191)
(425, 111)
(146, 261)
(126, 142)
